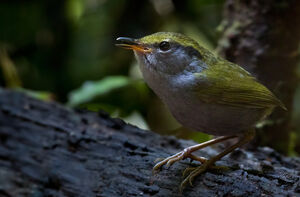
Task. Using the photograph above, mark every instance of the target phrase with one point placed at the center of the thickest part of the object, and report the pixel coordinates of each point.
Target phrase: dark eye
(164, 46)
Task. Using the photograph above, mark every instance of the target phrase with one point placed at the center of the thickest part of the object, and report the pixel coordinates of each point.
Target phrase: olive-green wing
(229, 84)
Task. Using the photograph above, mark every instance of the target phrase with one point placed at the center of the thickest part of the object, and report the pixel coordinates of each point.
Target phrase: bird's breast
(176, 91)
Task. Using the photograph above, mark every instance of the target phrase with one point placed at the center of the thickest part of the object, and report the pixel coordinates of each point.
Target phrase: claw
(182, 185)
(172, 161)
(187, 170)
(193, 173)
(155, 171)
(191, 181)
(157, 166)
(169, 163)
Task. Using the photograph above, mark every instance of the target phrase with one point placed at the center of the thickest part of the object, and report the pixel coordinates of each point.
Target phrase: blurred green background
(64, 51)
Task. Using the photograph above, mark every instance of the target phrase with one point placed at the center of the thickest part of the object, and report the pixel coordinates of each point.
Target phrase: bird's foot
(186, 153)
(206, 164)
(191, 172)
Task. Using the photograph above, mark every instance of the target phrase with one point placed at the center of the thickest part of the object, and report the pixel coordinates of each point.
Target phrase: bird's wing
(229, 84)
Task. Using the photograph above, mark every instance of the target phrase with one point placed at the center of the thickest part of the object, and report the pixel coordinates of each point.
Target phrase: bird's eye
(164, 46)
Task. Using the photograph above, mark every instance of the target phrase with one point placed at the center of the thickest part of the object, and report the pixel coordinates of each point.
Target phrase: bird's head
(167, 52)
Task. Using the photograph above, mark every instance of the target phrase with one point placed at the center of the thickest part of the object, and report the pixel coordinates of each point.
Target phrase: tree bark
(49, 150)
(264, 37)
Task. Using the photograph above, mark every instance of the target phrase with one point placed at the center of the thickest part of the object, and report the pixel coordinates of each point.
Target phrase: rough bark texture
(49, 150)
(263, 36)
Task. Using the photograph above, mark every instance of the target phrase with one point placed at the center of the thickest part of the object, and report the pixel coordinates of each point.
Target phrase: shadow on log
(49, 150)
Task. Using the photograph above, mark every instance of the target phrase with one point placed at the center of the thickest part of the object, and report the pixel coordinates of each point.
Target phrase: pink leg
(186, 153)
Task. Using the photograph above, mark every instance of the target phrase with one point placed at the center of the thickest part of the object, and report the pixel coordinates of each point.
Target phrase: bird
(203, 92)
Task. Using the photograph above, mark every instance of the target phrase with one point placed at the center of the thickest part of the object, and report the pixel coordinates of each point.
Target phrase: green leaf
(91, 89)
(41, 95)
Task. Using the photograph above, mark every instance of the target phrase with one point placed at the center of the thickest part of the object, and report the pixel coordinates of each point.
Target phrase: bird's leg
(202, 160)
(198, 170)
(197, 158)
(186, 153)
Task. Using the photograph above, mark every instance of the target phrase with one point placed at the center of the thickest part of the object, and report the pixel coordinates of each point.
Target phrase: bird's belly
(212, 119)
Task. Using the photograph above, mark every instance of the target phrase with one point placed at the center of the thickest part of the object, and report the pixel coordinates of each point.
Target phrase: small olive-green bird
(203, 92)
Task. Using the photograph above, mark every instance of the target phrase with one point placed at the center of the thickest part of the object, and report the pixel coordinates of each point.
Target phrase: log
(49, 150)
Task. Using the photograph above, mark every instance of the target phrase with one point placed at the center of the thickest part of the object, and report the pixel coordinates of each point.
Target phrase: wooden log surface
(47, 149)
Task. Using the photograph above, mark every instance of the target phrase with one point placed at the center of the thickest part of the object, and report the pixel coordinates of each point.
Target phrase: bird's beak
(133, 44)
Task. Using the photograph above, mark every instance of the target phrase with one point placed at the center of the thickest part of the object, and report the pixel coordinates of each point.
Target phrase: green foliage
(41, 95)
(89, 90)
(114, 94)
